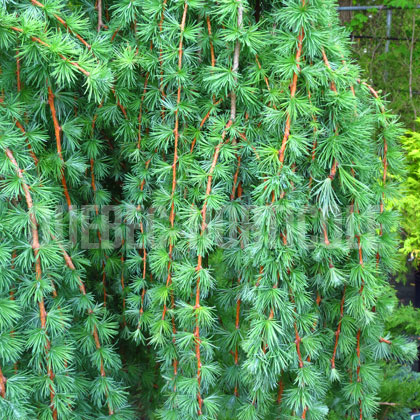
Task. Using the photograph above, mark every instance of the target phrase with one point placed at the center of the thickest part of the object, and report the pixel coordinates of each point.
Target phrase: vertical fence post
(388, 34)
(388, 29)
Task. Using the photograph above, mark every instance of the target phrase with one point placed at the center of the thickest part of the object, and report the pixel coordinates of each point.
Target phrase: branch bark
(57, 131)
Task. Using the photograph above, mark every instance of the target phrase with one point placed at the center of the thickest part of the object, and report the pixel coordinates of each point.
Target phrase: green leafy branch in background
(409, 205)
(399, 392)
(400, 386)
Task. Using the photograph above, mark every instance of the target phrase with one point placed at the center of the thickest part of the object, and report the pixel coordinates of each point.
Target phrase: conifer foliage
(241, 272)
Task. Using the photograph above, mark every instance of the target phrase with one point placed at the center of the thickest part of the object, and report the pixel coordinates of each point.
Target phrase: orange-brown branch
(162, 87)
(57, 130)
(213, 58)
(358, 355)
(235, 179)
(205, 118)
(19, 86)
(176, 133)
(334, 89)
(123, 284)
(63, 22)
(141, 109)
(281, 157)
(174, 176)
(238, 302)
(337, 333)
(82, 288)
(213, 63)
(45, 44)
(293, 87)
(144, 254)
(375, 94)
(199, 261)
(3, 381)
(31, 152)
(123, 110)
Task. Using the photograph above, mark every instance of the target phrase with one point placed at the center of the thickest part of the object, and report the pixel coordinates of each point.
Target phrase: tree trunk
(345, 15)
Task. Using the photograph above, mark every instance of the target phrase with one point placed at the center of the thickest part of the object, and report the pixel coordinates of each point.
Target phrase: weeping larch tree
(194, 215)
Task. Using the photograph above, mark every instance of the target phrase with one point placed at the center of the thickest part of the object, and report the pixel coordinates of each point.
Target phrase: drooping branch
(20, 126)
(200, 260)
(162, 87)
(174, 172)
(98, 232)
(18, 81)
(238, 301)
(337, 333)
(213, 63)
(333, 87)
(3, 381)
(139, 119)
(57, 131)
(45, 44)
(213, 58)
(63, 22)
(216, 153)
(281, 157)
(203, 121)
(333, 170)
(235, 66)
(69, 262)
(314, 144)
(293, 88)
(38, 271)
(384, 160)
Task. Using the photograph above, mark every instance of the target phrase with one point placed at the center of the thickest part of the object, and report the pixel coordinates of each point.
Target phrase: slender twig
(337, 333)
(57, 130)
(213, 63)
(98, 232)
(200, 260)
(45, 44)
(123, 110)
(375, 94)
(63, 22)
(162, 87)
(69, 262)
(122, 283)
(235, 66)
(293, 87)
(281, 157)
(333, 87)
(213, 58)
(238, 301)
(144, 254)
(203, 121)
(141, 109)
(204, 208)
(3, 381)
(314, 144)
(174, 175)
(19, 85)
